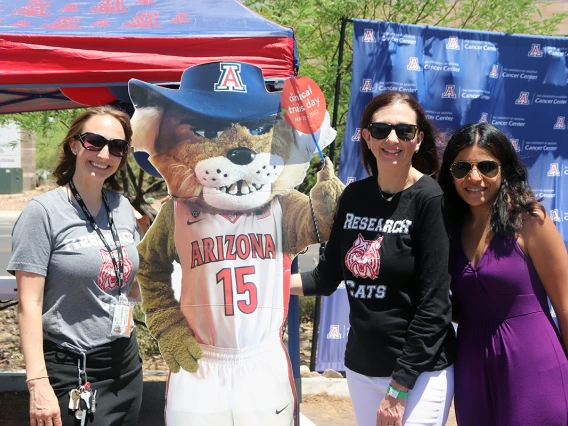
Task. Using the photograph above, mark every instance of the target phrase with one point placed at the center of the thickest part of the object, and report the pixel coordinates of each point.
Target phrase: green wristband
(395, 393)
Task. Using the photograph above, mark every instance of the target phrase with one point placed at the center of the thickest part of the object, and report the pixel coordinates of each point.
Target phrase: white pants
(428, 404)
(232, 387)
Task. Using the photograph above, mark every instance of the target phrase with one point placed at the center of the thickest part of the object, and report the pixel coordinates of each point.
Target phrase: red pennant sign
(303, 104)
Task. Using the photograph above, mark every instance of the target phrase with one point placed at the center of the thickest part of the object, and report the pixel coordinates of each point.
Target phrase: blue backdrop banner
(516, 82)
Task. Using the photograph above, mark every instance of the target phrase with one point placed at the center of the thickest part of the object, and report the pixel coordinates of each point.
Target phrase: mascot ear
(146, 126)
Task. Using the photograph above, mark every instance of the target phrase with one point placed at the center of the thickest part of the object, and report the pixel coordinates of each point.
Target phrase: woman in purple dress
(511, 366)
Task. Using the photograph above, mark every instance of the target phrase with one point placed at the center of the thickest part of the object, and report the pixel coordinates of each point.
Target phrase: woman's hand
(391, 410)
(44, 407)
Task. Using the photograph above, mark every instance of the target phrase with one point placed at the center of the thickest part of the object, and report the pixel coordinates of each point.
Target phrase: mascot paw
(326, 172)
(325, 196)
(179, 348)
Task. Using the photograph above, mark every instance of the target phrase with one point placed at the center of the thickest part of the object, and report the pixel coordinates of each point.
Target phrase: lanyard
(118, 269)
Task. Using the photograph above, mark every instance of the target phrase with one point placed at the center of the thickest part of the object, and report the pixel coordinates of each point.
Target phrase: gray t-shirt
(53, 237)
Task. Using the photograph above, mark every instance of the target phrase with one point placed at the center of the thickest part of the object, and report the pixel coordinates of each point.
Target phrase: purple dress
(511, 369)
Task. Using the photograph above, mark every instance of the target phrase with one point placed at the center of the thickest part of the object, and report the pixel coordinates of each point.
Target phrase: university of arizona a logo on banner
(555, 216)
(367, 85)
(453, 43)
(413, 64)
(357, 135)
(230, 79)
(523, 99)
(334, 332)
(450, 91)
(554, 170)
(515, 143)
(369, 36)
(483, 118)
(351, 179)
(560, 123)
(494, 71)
(535, 51)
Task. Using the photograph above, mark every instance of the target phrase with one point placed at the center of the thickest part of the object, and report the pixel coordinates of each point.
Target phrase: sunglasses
(488, 168)
(94, 142)
(404, 132)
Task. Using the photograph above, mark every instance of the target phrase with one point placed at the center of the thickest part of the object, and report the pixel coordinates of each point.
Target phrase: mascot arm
(163, 317)
(299, 228)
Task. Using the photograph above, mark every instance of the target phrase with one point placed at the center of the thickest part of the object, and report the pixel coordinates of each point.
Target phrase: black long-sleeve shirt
(393, 257)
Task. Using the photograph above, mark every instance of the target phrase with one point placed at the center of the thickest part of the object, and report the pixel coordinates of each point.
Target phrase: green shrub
(148, 346)
(307, 308)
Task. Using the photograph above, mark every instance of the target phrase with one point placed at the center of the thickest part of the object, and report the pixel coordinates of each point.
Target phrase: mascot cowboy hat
(228, 91)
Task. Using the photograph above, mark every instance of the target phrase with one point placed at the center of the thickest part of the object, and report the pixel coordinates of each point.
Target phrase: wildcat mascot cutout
(234, 223)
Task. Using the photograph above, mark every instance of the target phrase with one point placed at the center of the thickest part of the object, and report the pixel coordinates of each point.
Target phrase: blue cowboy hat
(225, 91)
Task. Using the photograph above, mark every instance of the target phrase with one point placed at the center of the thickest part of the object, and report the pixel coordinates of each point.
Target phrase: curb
(9, 214)
(315, 385)
(13, 381)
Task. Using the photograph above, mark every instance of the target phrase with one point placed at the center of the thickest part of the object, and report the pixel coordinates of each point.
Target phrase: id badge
(121, 315)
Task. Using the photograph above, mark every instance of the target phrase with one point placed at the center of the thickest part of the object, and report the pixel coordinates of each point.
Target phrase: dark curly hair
(514, 197)
(426, 159)
(66, 167)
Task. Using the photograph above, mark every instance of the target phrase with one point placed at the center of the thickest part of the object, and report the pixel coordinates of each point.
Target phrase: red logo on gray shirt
(107, 278)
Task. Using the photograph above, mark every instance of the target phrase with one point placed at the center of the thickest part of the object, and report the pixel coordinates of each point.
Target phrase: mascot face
(229, 166)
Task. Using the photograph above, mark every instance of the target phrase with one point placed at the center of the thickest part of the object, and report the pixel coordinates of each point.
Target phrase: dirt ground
(17, 202)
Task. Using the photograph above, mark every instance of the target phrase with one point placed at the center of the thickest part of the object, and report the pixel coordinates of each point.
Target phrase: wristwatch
(395, 393)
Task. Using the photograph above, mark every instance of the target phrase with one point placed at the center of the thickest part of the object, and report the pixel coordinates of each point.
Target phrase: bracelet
(37, 378)
(395, 393)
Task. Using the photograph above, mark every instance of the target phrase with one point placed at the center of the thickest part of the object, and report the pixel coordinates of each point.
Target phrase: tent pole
(344, 22)
(317, 307)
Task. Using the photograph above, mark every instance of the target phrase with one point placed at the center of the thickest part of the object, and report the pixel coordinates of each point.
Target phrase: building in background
(17, 160)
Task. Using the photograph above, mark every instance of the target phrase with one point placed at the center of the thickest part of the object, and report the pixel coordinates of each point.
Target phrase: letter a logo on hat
(230, 79)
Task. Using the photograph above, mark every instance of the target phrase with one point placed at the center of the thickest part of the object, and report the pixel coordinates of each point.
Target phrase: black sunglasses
(488, 168)
(404, 132)
(94, 142)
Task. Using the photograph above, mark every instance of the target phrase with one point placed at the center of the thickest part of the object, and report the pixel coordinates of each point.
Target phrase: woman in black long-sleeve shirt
(390, 246)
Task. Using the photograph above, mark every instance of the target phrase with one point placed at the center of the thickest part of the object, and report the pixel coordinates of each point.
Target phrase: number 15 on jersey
(236, 286)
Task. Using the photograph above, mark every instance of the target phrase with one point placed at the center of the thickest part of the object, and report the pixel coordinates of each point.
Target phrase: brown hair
(66, 167)
(426, 159)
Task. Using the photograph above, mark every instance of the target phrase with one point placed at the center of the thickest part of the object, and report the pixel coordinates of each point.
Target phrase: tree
(317, 25)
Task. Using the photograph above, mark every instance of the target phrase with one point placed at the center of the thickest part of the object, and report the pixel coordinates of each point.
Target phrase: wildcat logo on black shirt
(363, 259)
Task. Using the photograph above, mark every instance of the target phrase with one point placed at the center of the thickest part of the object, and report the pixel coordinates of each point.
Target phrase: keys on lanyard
(83, 399)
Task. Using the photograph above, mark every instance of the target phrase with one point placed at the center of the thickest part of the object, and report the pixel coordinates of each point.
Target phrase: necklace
(393, 195)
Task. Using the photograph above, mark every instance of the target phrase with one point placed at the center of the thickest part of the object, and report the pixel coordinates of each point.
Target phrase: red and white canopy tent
(62, 54)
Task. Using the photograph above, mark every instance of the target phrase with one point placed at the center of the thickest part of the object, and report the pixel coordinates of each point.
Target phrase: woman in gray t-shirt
(74, 257)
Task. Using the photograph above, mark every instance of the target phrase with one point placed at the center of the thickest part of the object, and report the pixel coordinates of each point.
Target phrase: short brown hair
(66, 167)
(426, 160)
